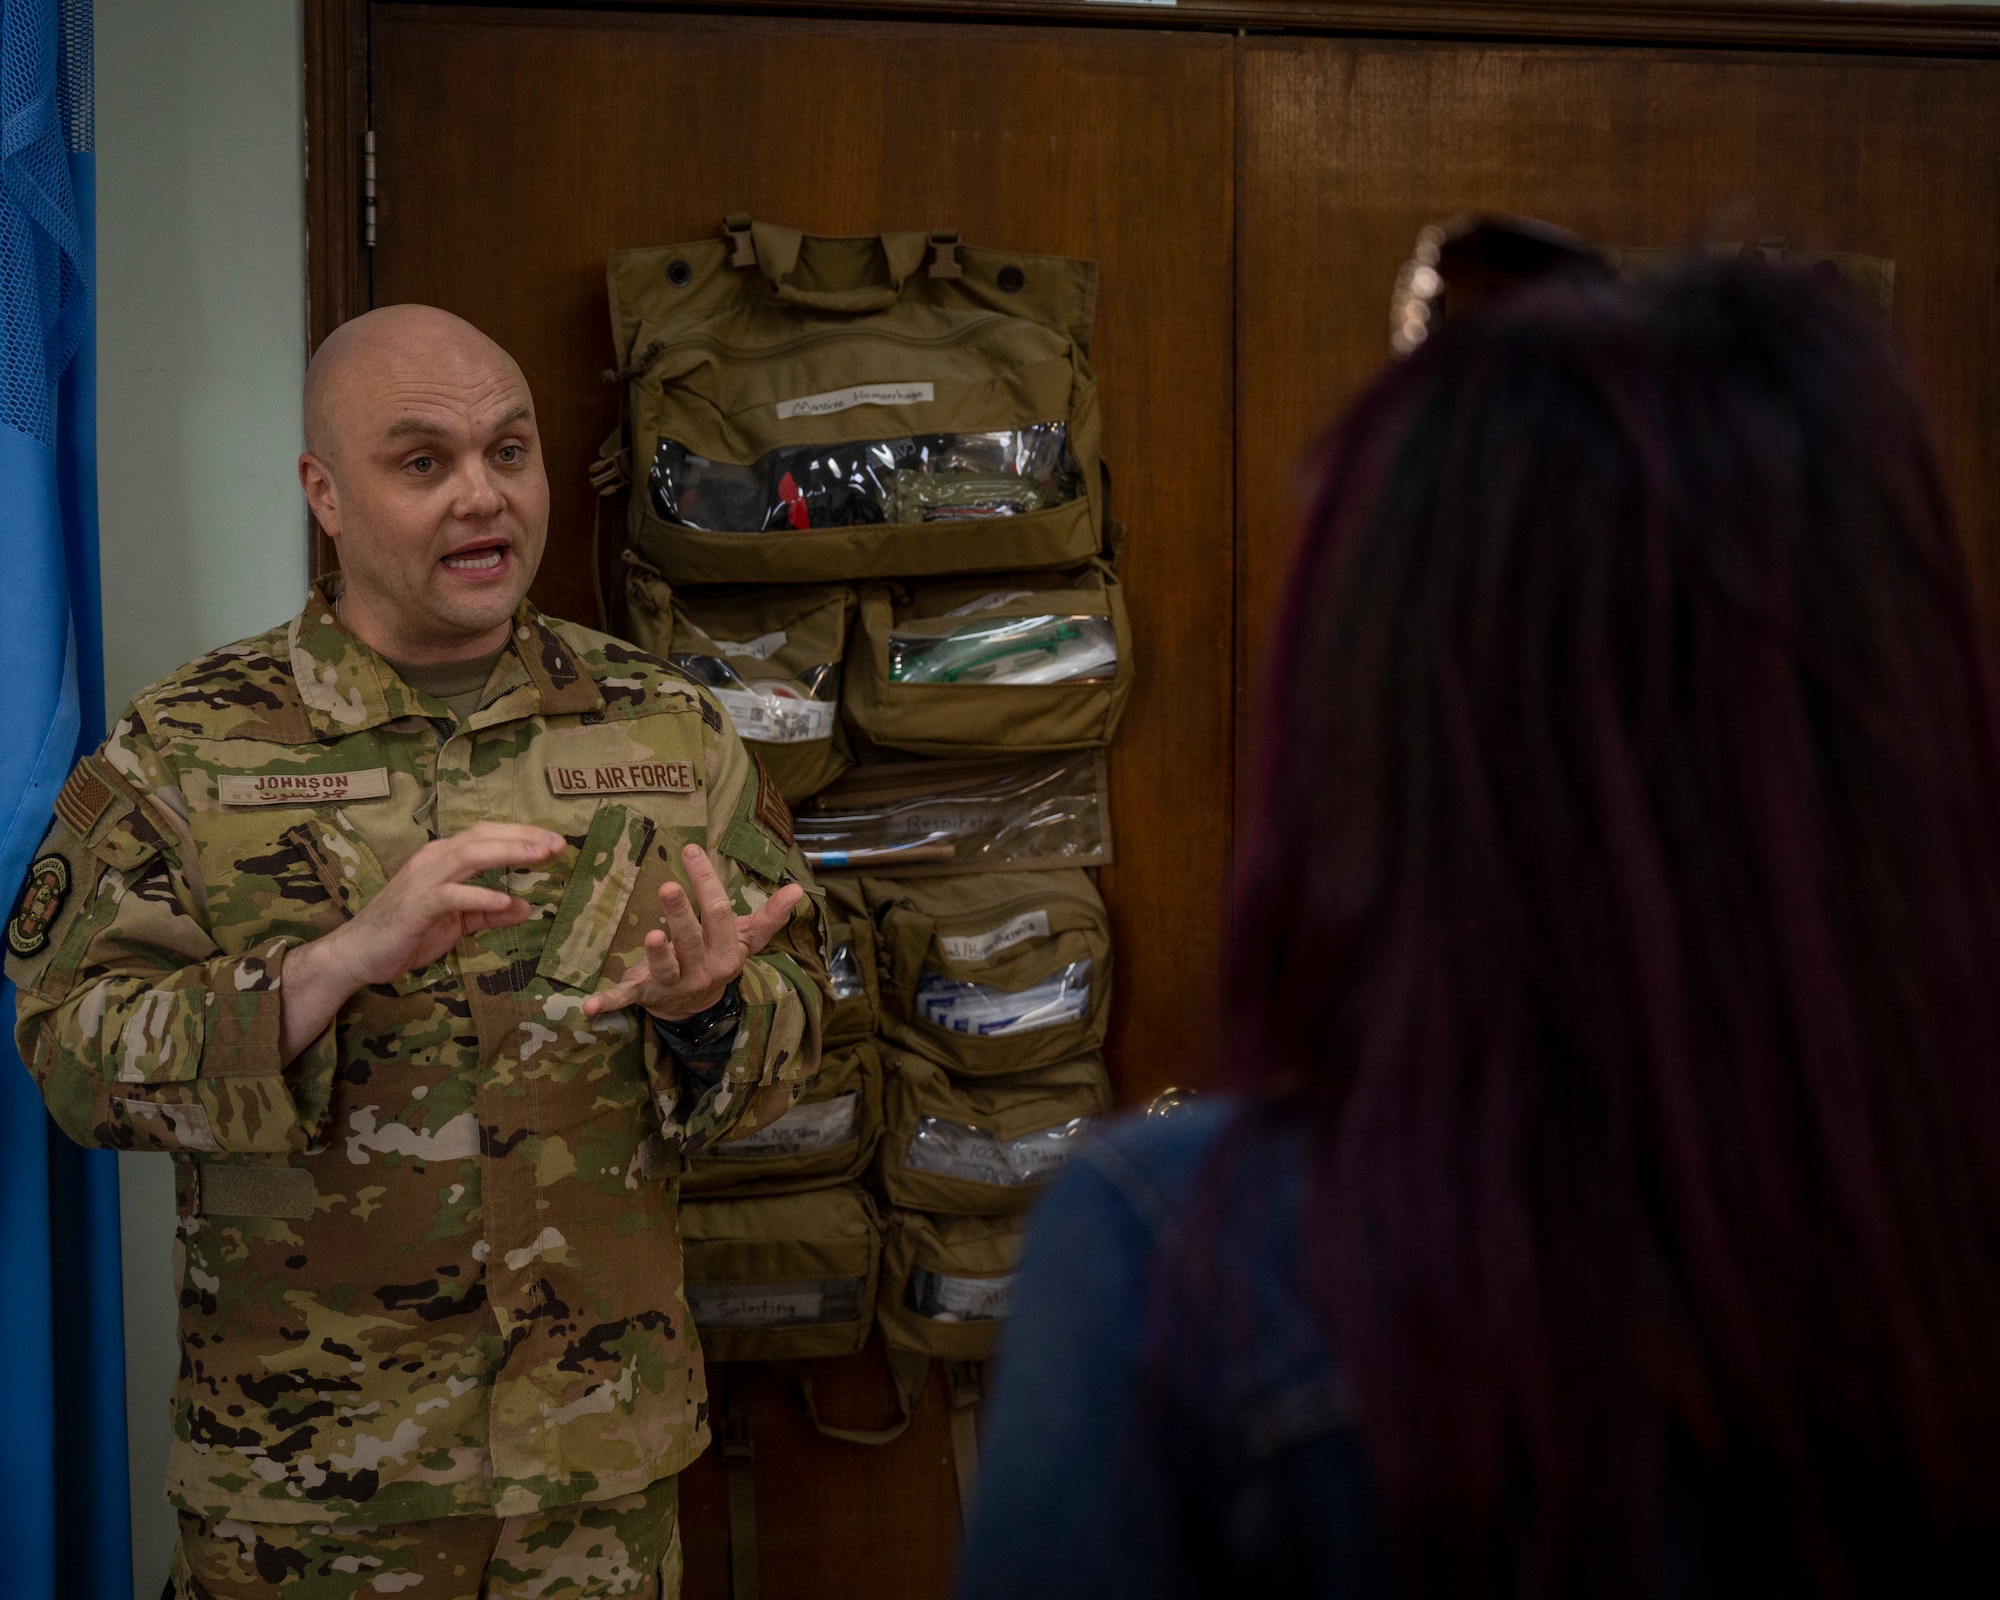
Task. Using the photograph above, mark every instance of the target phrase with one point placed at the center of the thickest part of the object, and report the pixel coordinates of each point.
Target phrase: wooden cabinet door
(1346, 148)
(515, 147)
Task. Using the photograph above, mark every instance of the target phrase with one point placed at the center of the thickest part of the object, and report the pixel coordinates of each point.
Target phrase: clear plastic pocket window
(845, 971)
(935, 477)
(1043, 812)
(1013, 651)
(961, 1150)
(989, 1013)
(802, 1302)
(804, 1130)
(771, 710)
(947, 1299)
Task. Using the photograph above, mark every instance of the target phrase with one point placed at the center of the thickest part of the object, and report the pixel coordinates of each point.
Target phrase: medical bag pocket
(782, 1277)
(994, 973)
(771, 656)
(818, 410)
(826, 1137)
(948, 1283)
(926, 818)
(984, 1146)
(850, 936)
(1021, 662)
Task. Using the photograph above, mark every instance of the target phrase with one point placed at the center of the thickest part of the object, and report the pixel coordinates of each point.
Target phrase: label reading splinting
(799, 1303)
(862, 394)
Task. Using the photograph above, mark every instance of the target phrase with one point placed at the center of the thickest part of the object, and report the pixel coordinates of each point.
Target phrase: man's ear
(321, 495)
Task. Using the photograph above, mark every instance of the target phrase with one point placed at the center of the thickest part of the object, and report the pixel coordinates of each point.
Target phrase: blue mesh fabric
(45, 111)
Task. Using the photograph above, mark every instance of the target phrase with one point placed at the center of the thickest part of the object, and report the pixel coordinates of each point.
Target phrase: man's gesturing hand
(420, 914)
(696, 957)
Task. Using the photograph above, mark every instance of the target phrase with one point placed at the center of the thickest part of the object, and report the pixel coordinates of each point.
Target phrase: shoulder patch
(38, 905)
(83, 798)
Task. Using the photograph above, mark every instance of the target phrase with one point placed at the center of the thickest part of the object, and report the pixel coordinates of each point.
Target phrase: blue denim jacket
(1203, 1444)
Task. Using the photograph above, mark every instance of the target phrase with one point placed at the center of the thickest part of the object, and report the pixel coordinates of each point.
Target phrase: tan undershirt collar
(459, 684)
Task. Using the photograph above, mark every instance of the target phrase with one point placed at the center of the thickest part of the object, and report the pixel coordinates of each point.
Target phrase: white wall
(200, 354)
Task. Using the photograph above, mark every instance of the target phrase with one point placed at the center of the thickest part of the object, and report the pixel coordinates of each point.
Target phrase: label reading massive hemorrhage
(302, 788)
(627, 777)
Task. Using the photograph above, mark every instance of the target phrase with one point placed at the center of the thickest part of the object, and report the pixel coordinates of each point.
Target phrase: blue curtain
(65, 1528)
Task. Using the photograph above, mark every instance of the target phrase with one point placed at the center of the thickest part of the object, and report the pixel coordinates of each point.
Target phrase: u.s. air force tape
(623, 777)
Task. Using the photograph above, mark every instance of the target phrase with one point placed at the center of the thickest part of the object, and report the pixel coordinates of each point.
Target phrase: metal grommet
(1168, 1101)
(678, 273)
(1011, 279)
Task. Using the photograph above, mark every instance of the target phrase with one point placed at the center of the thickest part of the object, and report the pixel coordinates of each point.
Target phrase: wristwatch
(706, 1033)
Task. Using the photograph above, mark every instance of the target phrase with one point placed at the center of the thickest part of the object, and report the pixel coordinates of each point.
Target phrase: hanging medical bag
(806, 410)
(825, 1137)
(782, 1277)
(994, 973)
(851, 964)
(982, 1146)
(992, 665)
(773, 658)
(926, 818)
(948, 1283)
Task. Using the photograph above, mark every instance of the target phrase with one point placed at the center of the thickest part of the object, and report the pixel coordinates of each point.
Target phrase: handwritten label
(629, 777)
(977, 947)
(862, 394)
(302, 788)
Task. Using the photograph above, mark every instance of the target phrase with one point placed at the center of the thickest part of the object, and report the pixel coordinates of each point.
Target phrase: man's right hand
(422, 912)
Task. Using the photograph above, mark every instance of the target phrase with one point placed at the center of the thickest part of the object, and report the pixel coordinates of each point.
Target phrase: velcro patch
(83, 798)
(234, 1191)
(40, 902)
(771, 810)
(302, 788)
(625, 777)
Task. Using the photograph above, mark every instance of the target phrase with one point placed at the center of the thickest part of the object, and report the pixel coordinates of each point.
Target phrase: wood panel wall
(1249, 198)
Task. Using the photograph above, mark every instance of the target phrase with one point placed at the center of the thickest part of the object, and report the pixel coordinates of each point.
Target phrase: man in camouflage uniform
(429, 935)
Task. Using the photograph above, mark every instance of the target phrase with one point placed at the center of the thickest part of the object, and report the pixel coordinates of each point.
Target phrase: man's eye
(423, 465)
(511, 453)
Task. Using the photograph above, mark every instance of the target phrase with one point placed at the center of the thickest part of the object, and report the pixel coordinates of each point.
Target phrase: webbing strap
(739, 1461)
(963, 1383)
(908, 1372)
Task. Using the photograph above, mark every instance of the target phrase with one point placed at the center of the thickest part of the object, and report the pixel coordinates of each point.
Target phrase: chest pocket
(598, 904)
(352, 874)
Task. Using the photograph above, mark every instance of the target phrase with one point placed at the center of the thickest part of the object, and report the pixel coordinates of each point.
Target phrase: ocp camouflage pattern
(627, 1548)
(437, 1269)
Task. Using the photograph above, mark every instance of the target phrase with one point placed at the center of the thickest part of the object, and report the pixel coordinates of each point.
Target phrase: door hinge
(368, 189)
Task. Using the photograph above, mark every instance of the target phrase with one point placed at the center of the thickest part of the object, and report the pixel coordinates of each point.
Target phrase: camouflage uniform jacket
(432, 1266)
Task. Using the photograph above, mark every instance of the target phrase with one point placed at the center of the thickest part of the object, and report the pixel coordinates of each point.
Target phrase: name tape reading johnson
(302, 788)
(630, 777)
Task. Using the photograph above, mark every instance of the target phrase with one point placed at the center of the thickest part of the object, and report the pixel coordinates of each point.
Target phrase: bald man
(429, 935)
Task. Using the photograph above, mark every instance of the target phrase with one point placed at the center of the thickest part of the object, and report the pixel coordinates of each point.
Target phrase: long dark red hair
(1622, 911)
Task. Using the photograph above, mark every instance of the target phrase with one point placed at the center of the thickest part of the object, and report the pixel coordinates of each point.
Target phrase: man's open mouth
(476, 558)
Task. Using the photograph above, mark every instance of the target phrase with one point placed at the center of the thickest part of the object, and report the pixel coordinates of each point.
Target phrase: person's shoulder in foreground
(1221, 1459)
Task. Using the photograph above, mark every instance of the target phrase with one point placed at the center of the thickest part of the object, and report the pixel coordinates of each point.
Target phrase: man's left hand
(690, 962)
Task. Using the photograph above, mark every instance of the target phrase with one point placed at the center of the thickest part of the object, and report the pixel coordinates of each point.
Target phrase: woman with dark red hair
(1608, 1201)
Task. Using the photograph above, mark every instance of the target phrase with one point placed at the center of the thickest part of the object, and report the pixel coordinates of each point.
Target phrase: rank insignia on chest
(625, 777)
(41, 900)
